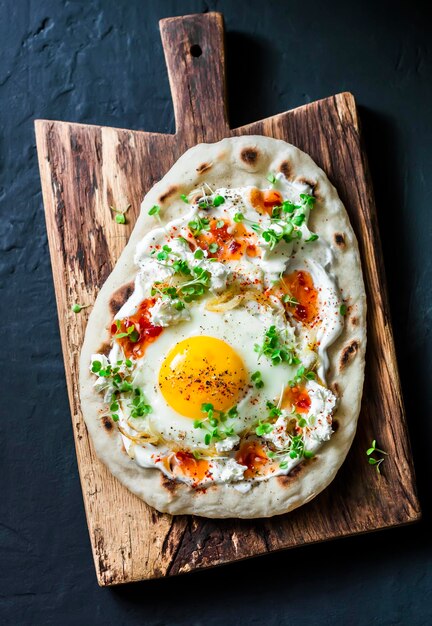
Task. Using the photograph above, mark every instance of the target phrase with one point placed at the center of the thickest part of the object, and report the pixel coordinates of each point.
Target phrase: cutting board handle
(195, 57)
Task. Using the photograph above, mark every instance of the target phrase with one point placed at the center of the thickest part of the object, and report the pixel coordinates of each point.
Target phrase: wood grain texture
(85, 169)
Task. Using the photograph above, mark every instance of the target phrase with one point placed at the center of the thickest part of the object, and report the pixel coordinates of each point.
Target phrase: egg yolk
(201, 370)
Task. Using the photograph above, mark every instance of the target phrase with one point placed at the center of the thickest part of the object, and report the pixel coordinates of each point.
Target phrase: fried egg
(210, 360)
(219, 357)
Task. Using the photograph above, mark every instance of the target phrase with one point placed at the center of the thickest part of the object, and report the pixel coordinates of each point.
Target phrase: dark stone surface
(102, 62)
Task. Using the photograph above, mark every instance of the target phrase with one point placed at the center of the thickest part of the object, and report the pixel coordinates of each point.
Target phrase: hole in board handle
(195, 50)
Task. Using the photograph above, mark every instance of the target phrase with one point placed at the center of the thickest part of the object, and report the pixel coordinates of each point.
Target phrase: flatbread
(238, 162)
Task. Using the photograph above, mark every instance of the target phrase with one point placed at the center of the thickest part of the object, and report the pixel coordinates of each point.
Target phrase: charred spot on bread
(169, 485)
(120, 296)
(105, 348)
(348, 354)
(286, 169)
(107, 423)
(335, 388)
(335, 425)
(249, 155)
(168, 193)
(286, 480)
(307, 181)
(354, 320)
(204, 167)
(339, 240)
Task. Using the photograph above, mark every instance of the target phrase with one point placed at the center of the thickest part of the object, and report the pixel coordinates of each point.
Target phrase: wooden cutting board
(85, 169)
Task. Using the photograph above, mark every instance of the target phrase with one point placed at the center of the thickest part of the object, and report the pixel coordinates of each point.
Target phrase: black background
(102, 62)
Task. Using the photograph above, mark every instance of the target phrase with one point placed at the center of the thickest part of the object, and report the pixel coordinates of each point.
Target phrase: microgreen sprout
(302, 375)
(373, 461)
(273, 410)
(118, 382)
(307, 200)
(139, 406)
(313, 237)
(131, 333)
(290, 300)
(263, 428)
(155, 210)
(275, 349)
(188, 291)
(213, 248)
(198, 225)
(164, 253)
(120, 216)
(257, 380)
(218, 200)
(184, 198)
(286, 220)
(214, 423)
(343, 309)
(294, 450)
(77, 308)
(271, 178)
(220, 224)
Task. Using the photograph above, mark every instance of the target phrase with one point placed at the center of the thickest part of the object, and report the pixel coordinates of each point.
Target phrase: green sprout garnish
(275, 350)
(77, 308)
(263, 428)
(117, 378)
(120, 217)
(371, 460)
(155, 210)
(139, 407)
(271, 178)
(273, 410)
(214, 423)
(294, 450)
(187, 291)
(290, 300)
(131, 333)
(257, 379)
(198, 225)
(307, 200)
(302, 375)
(313, 237)
(213, 247)
(164, 253)
(184, 198)
(343, 309)
(218, 200)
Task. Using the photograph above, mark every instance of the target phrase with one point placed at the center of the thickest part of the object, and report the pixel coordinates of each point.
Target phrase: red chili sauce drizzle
(299, 285)
(265, 201)
(146, 331)
(297, 397)
(233, 240)
(188, 465)
(253, 455)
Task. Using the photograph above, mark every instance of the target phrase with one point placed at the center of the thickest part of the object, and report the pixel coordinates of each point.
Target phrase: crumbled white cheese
(219, 274)
(228, 471)
(323, 402)
(279, 436)
(102, 383)
(163, 313)
(227, 444)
